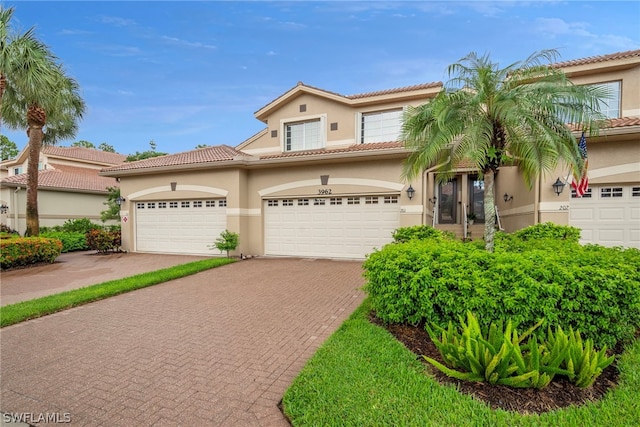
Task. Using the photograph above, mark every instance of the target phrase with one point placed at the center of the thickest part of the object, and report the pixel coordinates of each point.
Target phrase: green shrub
(549, 230)
(590, 288)
(418, 232)
(71, 241)
(81, 225)
(496, 356)
(228, 241)
(28, 250)
(103, 241)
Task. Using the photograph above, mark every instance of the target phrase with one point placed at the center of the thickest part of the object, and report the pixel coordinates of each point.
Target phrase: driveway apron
(213, 349)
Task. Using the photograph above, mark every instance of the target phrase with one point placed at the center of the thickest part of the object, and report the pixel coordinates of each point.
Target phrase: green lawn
(14, 313)
(362, 376)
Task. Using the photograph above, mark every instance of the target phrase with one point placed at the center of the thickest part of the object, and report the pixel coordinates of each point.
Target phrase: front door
(447, 202)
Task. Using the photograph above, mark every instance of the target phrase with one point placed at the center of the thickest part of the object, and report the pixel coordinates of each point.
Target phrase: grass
(362, 376)
(19, 312)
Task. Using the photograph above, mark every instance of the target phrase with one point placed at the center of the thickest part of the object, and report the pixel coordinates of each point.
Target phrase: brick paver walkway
(215, 349)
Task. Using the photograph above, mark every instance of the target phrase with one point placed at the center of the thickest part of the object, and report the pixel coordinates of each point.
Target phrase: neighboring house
(323, 179)
(69, 186)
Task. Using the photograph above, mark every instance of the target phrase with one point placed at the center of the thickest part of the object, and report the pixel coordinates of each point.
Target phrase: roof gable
(408, 92)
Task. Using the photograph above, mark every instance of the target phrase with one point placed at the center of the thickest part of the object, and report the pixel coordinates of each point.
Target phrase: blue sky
(189, 73)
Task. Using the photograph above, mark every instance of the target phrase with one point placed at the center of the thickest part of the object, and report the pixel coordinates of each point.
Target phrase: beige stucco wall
(630, 102)
(246, 190)
(54, 207)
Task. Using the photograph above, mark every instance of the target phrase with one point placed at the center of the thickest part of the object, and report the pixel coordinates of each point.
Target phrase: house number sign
(324, 191)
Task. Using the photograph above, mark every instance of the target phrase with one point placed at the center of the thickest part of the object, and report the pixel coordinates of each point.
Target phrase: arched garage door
(180, 226)
(329, 227)
(608, 215)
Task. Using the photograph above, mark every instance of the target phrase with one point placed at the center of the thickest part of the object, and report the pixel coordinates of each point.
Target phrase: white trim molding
(165, 188)
(333, 181)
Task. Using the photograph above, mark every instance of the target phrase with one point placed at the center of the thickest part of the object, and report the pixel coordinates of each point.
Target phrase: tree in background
(8, 148)
(490, 116)
(106, 147)
(113, 208)
(84, 144)
(33, 82)
(145, 154)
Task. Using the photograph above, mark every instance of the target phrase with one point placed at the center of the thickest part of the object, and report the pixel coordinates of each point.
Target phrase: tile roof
(218, 153)
(396, 90)
(350, 149)
(87, 154)
(67, 177)
(624, 121)
(600, 58)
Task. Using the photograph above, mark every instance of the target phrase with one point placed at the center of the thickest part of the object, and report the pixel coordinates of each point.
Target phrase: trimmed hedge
(591, 288)
(28, 250)
(71, 241)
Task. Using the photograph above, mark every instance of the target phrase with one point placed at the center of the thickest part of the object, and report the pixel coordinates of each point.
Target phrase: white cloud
(181, 42)
(559, 28)
(117, 21)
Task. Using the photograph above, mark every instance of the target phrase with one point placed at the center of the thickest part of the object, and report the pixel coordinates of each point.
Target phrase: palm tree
(490, 116)
(33, 82)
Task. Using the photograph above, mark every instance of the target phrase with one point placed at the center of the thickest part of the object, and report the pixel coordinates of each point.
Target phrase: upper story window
(611, 106)
(304, 135)
(17, 171)
(380, 126)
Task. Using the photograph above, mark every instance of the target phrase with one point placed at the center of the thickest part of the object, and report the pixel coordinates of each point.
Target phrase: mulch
(560, 393)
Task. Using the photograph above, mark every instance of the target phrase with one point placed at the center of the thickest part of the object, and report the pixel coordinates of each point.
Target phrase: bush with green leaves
(104, 241)
(23, 251)
(71, 241)
(499, 355)
(590, 288)
(228, 241)
(419, 232)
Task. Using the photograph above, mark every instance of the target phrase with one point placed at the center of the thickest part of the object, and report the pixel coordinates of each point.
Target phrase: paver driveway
(216, 348)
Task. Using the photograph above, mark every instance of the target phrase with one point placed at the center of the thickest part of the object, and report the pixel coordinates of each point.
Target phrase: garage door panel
(609, 217)
(330, 227)
(185, 228)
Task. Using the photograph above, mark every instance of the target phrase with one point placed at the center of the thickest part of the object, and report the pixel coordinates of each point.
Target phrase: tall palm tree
(490, 116)
(33, 82)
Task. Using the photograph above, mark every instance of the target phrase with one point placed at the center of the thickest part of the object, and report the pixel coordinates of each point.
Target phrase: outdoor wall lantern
(120, 200)
(4, 208)
(410, 192)
(507, 198)
(558, 186)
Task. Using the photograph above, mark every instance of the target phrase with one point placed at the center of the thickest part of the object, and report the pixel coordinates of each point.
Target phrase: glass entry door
(476, 197)
(447, 202)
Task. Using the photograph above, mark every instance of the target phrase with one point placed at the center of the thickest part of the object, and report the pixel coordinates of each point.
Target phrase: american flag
(581, 183)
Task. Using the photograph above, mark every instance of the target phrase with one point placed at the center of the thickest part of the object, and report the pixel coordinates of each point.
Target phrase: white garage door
(183, 226)
(608, 215)
(331, 227)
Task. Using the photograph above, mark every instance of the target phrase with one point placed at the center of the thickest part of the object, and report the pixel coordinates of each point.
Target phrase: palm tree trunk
(489, 210)
(35, 144)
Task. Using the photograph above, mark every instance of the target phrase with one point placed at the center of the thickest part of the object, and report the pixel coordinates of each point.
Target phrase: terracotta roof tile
(397, 90)
(624, 121)
(67, 177)
(218, 153)
(352, 148)
(600, 58)
(88, 154)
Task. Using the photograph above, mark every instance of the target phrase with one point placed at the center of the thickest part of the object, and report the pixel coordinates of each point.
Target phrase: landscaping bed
(561, 393)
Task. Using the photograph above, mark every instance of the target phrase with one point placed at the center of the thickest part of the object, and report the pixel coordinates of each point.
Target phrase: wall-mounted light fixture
(4, 208)
(507, 198)
(558, 186)
(120, 200)
(410, 192)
